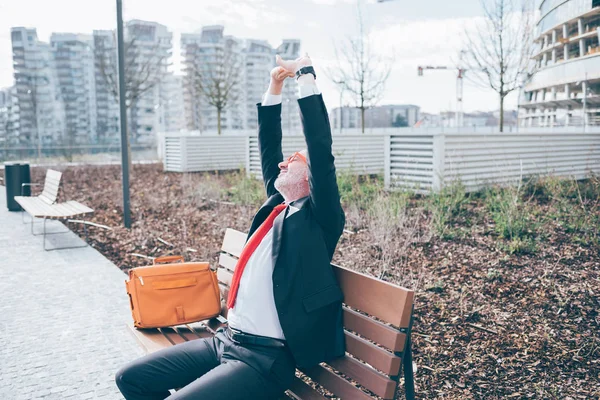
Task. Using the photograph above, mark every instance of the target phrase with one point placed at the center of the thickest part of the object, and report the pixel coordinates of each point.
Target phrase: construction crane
(459, 88)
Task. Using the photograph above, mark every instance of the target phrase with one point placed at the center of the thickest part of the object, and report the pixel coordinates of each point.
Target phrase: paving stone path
(62, 316)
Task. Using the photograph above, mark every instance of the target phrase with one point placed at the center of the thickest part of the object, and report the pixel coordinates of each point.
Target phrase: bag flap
(329, 295)
(168, 269)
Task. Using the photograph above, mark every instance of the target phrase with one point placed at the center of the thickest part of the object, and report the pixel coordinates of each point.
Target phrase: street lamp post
(123, 110)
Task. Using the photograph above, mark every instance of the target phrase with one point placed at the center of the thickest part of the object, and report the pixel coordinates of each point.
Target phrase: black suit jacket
(307, 296)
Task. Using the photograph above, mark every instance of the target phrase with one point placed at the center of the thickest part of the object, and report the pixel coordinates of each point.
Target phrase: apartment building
(565, 90)
(149, 46)
(74, 62)
(9, 117)
(290, 112)
(255, 59)
(107, 106)
(41, 108)
(211, 57)
(171, 110)
(386, 116)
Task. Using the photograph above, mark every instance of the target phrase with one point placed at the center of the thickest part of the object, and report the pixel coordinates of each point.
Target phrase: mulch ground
(488, 324)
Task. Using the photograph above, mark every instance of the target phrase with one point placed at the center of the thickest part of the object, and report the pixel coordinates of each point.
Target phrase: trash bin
(15, 174)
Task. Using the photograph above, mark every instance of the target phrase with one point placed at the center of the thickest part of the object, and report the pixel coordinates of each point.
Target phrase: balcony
(569, 71)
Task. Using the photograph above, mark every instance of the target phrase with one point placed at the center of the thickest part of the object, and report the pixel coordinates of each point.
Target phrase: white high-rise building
(290, 112)
(74, 60)
(9, 117)
(107, 106)
(259, 60)
(210, 56)
(565, 90)
(149, 49)
(172, 115)
(255, 58)
(41, 109)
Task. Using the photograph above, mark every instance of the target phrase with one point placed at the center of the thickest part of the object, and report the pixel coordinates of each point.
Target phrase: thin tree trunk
(218, 120)
(501, 113)
(362, 118)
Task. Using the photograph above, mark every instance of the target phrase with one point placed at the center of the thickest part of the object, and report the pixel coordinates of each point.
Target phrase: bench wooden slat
(53, 174)
(227, 261)
(233, 243)
(300, 390)
(172, 335)
(46, 199)
(151, 340)
(373, 355)
(224, 276)
(36, 207)
(381, 299)
(334, 383)
(374, 330)
(376, 382)
(51, 185)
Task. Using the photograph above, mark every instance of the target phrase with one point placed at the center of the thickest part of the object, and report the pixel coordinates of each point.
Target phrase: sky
(427, 32)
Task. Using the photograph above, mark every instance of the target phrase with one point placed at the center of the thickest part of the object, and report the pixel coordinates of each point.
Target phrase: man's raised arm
(324, 194)
(269, 129)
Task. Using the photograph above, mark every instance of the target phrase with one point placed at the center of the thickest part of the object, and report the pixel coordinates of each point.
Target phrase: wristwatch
(306, 70)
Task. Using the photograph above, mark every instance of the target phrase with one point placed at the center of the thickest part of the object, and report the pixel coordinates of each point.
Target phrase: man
(284, 303)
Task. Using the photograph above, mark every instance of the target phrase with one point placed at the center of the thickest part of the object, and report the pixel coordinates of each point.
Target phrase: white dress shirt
(254, 310)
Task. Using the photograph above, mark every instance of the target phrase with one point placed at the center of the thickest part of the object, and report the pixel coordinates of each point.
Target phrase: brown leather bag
(172, 294)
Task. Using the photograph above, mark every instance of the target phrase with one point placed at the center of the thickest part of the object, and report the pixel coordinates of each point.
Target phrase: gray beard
(290, 187)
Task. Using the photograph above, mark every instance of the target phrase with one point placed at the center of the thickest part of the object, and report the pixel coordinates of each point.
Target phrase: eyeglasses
(296, 156)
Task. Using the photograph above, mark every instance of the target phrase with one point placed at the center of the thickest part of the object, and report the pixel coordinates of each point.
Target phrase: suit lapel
(278, 227)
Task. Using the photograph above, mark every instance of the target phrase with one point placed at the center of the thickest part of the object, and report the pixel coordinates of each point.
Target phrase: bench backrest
(377, 318)
(51, 184)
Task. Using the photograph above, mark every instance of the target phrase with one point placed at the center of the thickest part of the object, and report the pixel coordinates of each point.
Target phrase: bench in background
(377, 320)
(45, 206)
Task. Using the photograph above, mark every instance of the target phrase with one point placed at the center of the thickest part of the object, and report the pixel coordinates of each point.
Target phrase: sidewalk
(62, 316)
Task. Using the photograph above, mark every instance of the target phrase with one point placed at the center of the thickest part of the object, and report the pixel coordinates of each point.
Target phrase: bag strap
(167, 259)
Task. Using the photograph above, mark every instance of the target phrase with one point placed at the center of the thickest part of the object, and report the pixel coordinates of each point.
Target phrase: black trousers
(211, 368)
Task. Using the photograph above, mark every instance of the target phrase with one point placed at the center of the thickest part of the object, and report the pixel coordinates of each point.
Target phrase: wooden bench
(45, 206)
(377, 320)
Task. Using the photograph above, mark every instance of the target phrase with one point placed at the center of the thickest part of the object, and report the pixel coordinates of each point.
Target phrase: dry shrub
(393, 227)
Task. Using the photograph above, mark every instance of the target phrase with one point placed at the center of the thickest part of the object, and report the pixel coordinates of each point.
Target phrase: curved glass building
(565, 90)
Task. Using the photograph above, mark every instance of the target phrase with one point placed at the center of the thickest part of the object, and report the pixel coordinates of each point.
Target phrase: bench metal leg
(409, 382)
(44, 231)
(23, 213)
(68, 230)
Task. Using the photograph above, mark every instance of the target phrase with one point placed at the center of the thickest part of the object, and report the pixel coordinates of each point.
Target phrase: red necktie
(248, 250)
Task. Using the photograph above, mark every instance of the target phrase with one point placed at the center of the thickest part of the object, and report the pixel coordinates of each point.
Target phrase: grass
(444, 206)
(513, 218)
(243, 189)
(522, 215)
(573, 205)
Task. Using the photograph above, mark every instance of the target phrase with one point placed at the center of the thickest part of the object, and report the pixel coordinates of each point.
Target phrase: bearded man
(285, 305)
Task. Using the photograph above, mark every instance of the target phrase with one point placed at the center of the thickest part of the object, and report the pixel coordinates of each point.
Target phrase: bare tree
(142, 72)
(143, 69)
(216, 79)
(499, 48)
(360, 71)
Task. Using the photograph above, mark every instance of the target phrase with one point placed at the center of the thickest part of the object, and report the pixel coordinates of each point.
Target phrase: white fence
(361, 154)
(479, 160)
(191, 153)
(421, 160)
